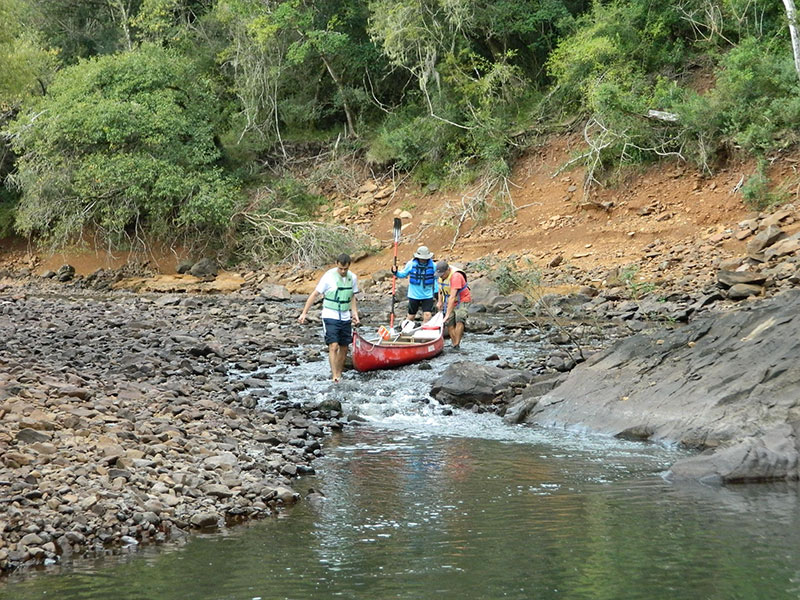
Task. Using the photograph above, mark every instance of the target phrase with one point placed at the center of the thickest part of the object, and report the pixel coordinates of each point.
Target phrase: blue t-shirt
(418, 291)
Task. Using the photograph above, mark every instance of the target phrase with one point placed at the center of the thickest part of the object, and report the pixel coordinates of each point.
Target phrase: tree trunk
(124, 18)
(351, 129)
(791, 15)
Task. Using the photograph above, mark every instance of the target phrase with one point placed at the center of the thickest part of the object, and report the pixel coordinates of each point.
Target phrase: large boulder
(464, 383)
(275, 292)
(723, 383)
(772, 456)
(483, 290)
(205, 267)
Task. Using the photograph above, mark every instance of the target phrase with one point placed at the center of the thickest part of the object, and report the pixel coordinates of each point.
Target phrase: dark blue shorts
(337, 332)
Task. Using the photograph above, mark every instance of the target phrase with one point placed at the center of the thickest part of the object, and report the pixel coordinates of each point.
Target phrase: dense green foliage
(122, 142)
(627, 58)
(27, 64)
(164, 113)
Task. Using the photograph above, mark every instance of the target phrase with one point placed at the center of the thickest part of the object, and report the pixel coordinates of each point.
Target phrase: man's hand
(356, 320)
(302, 318)
(394, 270)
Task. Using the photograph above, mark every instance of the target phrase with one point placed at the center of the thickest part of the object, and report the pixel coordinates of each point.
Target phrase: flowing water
(421, 504)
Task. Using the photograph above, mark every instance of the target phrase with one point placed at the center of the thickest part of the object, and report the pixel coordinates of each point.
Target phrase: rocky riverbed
(133, 417)
(121, 421)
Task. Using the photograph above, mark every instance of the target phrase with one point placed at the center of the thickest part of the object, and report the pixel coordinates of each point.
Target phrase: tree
(27, 67)
(300, 62)
(84, 28)
(27, 64)
(791, 16)
(123, 146)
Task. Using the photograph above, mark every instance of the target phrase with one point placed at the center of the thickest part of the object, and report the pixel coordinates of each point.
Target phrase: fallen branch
(282, 233)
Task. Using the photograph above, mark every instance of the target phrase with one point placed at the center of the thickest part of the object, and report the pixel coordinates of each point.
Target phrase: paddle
(397, 226)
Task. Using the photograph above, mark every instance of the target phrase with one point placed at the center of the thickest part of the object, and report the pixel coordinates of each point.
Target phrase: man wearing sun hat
(454, 298)
(422, 284)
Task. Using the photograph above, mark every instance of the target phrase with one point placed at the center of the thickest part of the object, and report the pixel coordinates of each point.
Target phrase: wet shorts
(337, 332)
(459, 316)
(414, 305)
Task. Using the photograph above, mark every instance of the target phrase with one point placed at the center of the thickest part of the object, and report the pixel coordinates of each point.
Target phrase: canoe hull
(368, 356)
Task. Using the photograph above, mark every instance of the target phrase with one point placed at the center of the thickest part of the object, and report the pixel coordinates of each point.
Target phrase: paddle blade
(398, 225)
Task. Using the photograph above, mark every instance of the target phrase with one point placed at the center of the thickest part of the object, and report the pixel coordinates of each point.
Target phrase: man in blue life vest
(422, 284)
(338, 288)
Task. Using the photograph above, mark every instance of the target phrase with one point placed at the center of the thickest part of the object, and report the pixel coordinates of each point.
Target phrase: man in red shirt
(454, 298)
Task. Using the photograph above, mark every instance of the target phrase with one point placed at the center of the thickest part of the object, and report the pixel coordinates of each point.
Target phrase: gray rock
(773, 456)
(282, 493)
(275, 292)
(740, 291)
(205, 267)
(782, 248)
(483, 290)
(30, 436)
(31, 539)
(466, 382)
(730, 278)
(114, 473)
(217, 490)
(727, 384)
(184, 266)
(205, 520)
(764, 239)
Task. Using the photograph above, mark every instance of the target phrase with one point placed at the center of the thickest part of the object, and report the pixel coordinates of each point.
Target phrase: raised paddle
(397, 227)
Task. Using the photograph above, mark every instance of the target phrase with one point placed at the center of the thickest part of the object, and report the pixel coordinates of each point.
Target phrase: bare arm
(354, 310)
(451, 306)
(312, 297)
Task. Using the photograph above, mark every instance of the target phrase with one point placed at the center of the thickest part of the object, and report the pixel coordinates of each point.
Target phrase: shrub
(758, 192)
(758, 97)
(124, 145)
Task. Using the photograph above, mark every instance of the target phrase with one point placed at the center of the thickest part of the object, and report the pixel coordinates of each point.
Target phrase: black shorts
(414, 305)
(337, 332)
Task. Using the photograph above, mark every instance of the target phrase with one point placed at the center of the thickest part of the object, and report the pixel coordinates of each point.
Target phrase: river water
(419, 503)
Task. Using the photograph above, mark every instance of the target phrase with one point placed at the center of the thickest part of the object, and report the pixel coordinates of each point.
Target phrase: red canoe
(425, 342)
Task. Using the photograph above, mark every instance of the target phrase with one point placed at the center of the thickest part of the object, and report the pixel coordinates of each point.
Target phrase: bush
(759, 194)
(757, 97)
(124, 145)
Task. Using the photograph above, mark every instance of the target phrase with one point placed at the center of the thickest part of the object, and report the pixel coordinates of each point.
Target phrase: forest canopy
(178, 120)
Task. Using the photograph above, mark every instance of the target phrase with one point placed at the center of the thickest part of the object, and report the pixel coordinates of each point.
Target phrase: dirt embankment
(551, 225)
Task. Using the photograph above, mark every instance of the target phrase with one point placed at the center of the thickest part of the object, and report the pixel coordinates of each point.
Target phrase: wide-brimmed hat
(423, 253)
(441, 267)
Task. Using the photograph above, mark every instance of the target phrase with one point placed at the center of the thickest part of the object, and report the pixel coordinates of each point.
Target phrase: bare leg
(341, 355)
(456, 333)
(333, 359)
(426, 316)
